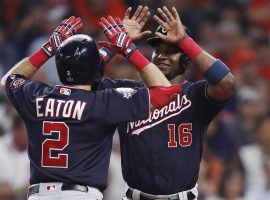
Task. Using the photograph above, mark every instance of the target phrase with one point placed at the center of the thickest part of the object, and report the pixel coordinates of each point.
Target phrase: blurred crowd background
(236, 159)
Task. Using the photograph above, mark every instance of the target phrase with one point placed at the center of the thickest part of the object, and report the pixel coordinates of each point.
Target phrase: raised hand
(172, 24)
(66, 29)
(119, 40)
(135, 24)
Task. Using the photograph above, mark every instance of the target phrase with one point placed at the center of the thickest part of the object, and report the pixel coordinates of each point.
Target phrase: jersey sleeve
(20, 90)
(207, 108)
(123, 104)
(118, 83)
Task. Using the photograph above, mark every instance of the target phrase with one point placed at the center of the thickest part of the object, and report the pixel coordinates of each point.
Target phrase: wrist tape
(138, 60)
(191, 48)
(216, 72)
(38, 58)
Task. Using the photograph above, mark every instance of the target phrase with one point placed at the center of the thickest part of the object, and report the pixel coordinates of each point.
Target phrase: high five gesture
(172, 24)
(135, 24)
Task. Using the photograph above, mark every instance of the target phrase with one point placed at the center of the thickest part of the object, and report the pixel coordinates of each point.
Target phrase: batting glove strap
(48, 49)
(130, 50)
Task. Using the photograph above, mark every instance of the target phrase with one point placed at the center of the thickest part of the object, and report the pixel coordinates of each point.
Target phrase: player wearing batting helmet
(70, 126)
(161, 155)
(183, 61)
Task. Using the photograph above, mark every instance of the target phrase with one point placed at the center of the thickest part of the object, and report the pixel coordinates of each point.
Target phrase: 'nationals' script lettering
(157, 116)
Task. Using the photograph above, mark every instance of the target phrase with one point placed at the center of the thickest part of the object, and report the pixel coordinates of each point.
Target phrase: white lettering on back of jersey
(49, 108)
(59, 108)
(38, 107)
(59, 103)
(78, 110)
(67, 108)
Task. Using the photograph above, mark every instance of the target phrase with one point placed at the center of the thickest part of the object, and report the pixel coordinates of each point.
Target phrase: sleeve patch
(16, 82)
(126, 92)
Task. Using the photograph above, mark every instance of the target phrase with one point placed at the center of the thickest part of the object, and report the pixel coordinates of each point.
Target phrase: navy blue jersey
(119, 83)
(70, 130)
(161, 155)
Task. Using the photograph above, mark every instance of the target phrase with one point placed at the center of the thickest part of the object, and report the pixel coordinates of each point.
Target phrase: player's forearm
(152, 76)
(23, 67)
(149, 72)
(222, 83)
(204, 61)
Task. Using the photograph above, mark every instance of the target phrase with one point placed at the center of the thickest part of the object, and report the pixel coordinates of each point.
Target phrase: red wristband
(191, 48)
(38, 58)
(138, 60)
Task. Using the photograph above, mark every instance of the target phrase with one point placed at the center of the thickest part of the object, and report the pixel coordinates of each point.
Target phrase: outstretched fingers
(175, 13)
(108, 25)
(61, 26)
(137, 13)
(161, 22)
(145, 19)
(76, 25)
(127, 14)
(106, 31)
(142, 14)
(120, 24)
(71, 19)
(168, 13)
(163, 15)
(67, 25)
(177, 17)
(75, 22)
(113, 23)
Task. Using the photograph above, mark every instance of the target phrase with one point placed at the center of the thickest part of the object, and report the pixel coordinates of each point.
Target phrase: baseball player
(70, 126)
(161, 155)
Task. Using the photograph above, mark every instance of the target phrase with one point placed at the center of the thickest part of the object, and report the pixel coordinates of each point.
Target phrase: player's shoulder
(19, 85)
(15, 81)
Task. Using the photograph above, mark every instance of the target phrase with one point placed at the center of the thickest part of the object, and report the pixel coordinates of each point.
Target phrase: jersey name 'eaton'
(59, 108)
